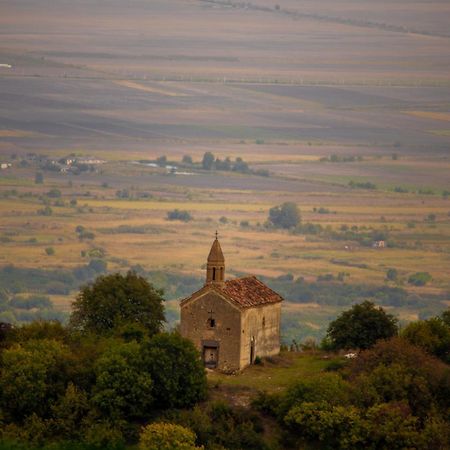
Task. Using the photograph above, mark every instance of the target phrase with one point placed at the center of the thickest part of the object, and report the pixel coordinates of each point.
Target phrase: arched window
(211, 322)
(214, 274)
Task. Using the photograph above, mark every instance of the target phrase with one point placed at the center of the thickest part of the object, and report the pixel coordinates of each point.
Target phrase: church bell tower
(215, 267)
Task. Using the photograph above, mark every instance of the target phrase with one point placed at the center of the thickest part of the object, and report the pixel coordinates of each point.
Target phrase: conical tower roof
(215, 254)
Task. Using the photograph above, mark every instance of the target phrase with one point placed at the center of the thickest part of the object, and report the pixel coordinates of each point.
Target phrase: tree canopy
(286, 215)
(176, 369)
(361, 326)
(167, 436)
(113, 300)
(433, 335)
(208, 161)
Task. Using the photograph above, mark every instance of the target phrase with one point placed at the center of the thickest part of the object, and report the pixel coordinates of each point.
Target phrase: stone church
(231, 322)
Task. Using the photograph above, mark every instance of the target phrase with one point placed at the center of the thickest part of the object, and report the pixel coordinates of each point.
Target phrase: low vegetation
(110, 381)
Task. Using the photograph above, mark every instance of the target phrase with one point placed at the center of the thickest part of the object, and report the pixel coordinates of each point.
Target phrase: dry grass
(431, 115)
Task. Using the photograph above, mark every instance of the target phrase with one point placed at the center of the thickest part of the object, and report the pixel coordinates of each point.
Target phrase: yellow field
(431, 115)
(148, 88)
(167, 206)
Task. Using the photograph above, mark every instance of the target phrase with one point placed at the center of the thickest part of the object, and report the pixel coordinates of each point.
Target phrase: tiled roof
(248, 292)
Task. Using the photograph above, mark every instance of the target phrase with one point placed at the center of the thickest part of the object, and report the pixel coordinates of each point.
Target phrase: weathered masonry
(231, 322)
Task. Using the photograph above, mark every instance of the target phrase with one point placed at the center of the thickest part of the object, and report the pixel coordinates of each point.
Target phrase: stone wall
(262, 326)
(194, 325)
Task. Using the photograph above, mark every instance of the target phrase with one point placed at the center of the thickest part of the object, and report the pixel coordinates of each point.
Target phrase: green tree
(335, 427)
(113, 300)
(392, 426)
(419, 278)
(391, 274)
(123, 390)
(361, 326)
(433, 335)
(423, 377)
(69, 413)
(167, 436)
(208, 161)
(176, 370)
(329, 388)
(240, 166)
(161, 161)
(445, 316)
(33, 375)
(39, 178)
(39, 329)
(187, 159)
(286, 215)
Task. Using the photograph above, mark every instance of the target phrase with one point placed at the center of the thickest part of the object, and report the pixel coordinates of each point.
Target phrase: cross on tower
(217, 234)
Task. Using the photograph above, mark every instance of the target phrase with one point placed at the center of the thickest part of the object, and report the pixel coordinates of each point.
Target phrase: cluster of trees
(16, 308)
(112, 378)
(392, 396)
(96, 381)
(364, 324)
(327, 290)
(210, 162)
(395, 394)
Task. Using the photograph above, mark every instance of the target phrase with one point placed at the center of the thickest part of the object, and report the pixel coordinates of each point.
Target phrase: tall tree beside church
(361, 326)
(114, 300)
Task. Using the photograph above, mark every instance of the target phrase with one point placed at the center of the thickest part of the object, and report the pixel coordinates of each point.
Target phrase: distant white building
(4, 166)
(90, 161)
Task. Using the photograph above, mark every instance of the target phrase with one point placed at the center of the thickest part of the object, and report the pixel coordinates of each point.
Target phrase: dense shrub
(177, 214)
(176, 370)
(167, 436)
(419, 278)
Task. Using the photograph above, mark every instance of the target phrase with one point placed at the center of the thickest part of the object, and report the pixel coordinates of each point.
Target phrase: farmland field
(322, 100)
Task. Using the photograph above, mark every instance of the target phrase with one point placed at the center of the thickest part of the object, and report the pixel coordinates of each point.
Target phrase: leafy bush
(432, 335)
(54, 193)
(419, 278)
(47, 211)
(391, 274)
(176, 370)
(122, 389)
(177, 214)
(167, 436)
(362, 185)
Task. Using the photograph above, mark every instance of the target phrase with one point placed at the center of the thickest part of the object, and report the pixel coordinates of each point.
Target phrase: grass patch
(273, 374)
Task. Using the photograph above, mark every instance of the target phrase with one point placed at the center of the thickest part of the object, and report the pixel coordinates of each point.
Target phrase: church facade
(231, 322)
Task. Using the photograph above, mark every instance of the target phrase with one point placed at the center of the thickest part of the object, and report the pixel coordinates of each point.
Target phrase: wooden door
(210, 356)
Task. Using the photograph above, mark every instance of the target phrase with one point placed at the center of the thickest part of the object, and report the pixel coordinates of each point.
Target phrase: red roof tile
(248, 292)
